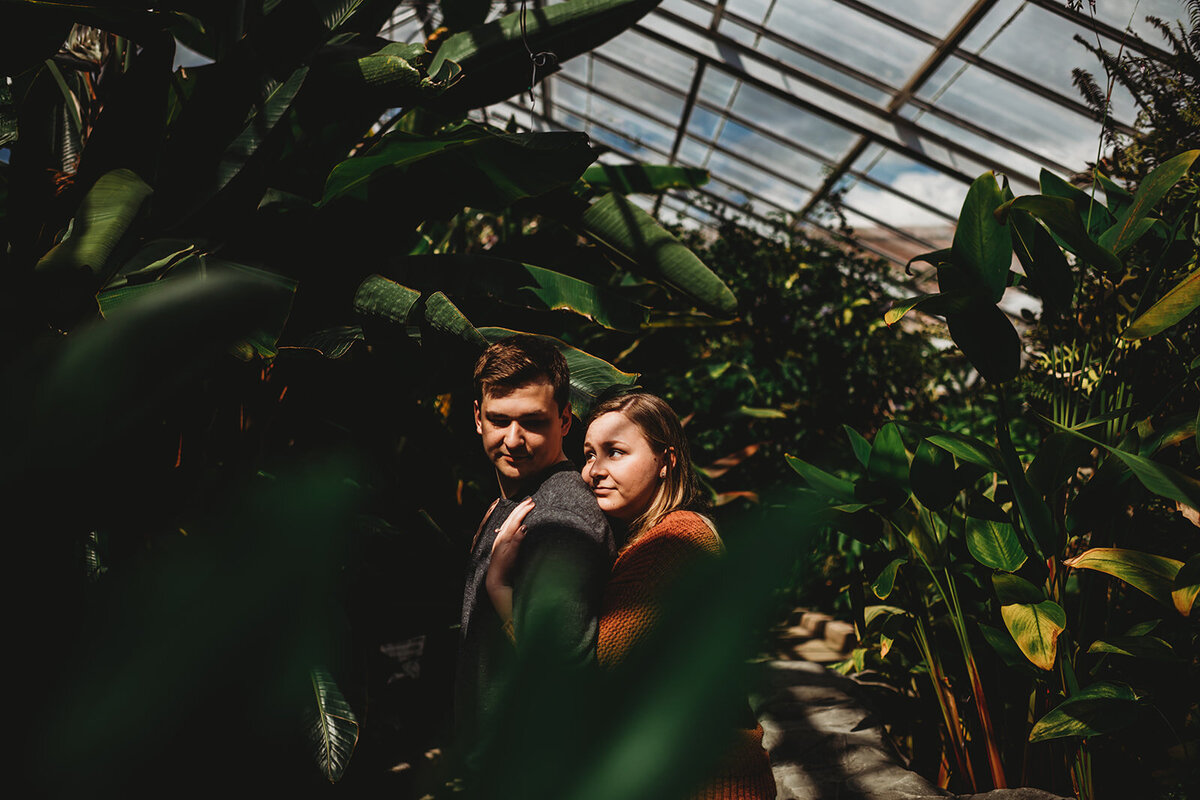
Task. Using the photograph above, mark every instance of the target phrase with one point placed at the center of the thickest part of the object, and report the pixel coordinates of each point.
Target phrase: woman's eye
(588, 457)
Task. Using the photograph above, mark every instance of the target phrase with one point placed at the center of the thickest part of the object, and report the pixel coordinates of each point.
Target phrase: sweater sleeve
(556, 593)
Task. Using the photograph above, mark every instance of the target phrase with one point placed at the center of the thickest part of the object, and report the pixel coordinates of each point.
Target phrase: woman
(637, 463)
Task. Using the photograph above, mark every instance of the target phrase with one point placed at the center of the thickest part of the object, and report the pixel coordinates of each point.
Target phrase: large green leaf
(982, 247)
(942, 303)
(820, 480)
(1096, 709)
(458, 15)
(861, 447)
(643, 178)
(994, 544)
(383, 299)
(590, 376)
(1152, 189)
(989, 341)
(495, 56)
(1015, 589)
(931, 476)
(650, 250)
(1035, 628)
(390, 77)
(1092, 213)
(1062, 218)
(273, 313)
(969, 449)
(1159, 478)
(442, 315)
(1044, 263)
(1187, 585)
(1151, 574)
(1005, 647)
(469, 165)
(276, 100)
(883, 584)
(1181, 300)
(523, 284)
(1150, 647)
(104, 217)
(1035, 514)
(333, 728)
(889, 461)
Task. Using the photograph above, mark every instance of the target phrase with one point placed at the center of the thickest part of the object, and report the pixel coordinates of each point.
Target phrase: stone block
(814, 623)
(840, 636)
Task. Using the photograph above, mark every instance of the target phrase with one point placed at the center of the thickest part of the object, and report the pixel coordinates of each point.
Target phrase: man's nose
(514, 435)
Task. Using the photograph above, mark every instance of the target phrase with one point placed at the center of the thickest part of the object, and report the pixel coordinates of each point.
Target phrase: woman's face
(621, 466)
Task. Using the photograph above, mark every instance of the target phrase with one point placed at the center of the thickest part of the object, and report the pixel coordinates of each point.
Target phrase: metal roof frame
(886, 121)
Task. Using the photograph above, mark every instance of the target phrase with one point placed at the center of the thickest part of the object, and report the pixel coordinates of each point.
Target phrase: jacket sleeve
(557, 588)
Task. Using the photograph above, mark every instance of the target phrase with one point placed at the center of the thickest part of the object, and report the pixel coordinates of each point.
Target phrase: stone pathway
(824, 743)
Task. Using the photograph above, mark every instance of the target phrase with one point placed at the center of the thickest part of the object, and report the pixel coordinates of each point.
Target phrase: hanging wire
(542, 60)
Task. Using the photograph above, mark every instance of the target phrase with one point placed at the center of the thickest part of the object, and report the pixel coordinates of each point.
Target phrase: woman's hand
(504, 559)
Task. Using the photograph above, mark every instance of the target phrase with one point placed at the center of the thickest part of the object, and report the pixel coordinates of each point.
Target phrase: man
(522, 413)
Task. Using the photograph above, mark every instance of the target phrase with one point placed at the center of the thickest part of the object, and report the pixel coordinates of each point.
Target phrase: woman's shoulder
(688, 525)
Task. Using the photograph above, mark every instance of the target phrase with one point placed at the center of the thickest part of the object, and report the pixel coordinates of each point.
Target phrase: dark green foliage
(808, 344)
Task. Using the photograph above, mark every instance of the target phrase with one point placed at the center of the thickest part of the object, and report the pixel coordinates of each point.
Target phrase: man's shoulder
(564, 499)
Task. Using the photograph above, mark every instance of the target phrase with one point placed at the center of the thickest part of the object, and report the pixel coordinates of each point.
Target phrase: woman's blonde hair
(660, 425)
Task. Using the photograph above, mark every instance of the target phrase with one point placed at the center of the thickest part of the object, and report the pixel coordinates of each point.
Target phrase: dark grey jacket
(562, 566)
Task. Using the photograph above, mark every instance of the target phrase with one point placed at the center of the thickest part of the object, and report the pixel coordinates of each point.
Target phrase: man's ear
(566, 419)
(478, 420)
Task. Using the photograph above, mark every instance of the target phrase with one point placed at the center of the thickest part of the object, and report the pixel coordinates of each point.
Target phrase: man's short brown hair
(520, 360)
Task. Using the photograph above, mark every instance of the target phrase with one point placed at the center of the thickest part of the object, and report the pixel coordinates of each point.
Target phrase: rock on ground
(825, 745)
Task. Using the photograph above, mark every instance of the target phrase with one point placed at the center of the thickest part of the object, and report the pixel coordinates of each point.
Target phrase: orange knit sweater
(630, 609)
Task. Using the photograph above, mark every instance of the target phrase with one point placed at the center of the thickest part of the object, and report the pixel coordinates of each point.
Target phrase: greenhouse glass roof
(892, 106)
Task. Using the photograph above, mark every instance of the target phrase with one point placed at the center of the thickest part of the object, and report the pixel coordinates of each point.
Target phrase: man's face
(522, 430)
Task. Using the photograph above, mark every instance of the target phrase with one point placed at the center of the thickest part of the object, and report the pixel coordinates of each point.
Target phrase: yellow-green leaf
(1035, 628)
(1151, 574)
(1099, 708)
(1176, 304)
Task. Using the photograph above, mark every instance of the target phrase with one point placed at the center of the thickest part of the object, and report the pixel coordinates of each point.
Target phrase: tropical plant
(1053, 559)
(237, 342)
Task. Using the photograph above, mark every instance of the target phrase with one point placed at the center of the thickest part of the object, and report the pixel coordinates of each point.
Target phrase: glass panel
(891, 209)
(717, 86)
(991, 23)
(1021, 170)
(932, 16)
(642, 96)
(1014, 113)
(795, 165)
(746, 177)
(693, 152)
(704, 123)
(823, 71)
(689, 10)
(787, 120)
(622, 143)
(1040, 46)
(647, 56)
(851, 38)
(915, 180)
(1122, 13)
(753, 10)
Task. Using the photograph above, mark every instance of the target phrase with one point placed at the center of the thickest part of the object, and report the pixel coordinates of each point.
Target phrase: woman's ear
(668, 459)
